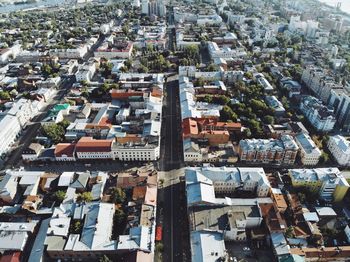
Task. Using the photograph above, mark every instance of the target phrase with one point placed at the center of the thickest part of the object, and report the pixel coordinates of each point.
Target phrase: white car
(246, 249)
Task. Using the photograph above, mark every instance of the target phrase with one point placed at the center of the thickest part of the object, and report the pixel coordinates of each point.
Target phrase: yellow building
(329, 183)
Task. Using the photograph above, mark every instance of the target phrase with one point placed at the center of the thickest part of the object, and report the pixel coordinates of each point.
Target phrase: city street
(172, 197)
(32, 128)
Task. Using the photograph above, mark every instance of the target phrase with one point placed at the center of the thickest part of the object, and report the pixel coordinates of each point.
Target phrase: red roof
(189, 127)
(214, 123)
(159, 234)
(88, 144)
(66, 149)
(14, 257)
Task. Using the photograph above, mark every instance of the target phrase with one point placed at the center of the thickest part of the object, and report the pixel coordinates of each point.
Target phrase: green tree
(4, 95)
(77, 227)
(59, 195)
(54, 132)
(46, 70)
(159, 247)
(227, 114)
(119, 216)
(64, 123)
(118, 196)
(105, 88)
(324, 158)
(289, 232)
(85, 197)
(269, 119)
(105, 259)
(247, 133)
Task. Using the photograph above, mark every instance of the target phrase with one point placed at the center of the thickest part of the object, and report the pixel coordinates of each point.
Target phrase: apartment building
(329, 183)
(319, 82)
(309, 152)
(340, 100)
(227, 180)
(340, 149)
(320, 117)
(279, 151)
(89, 148)
(10, 129)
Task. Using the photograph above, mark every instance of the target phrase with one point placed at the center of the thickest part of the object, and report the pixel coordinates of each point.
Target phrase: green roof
(60, 107)
(292, 258)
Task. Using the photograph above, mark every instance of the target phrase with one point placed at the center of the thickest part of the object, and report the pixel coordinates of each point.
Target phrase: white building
(10, 129)
(320, 116)
(340, 149)
(226, 180)
(226, 52)
(8, 188)
(136, 153)
(23, 110)
(75, 53)
(85, 72)
(309, 152)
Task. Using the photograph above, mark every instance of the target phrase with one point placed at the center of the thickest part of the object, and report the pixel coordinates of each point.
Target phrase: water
(345, 4)
(41, 3)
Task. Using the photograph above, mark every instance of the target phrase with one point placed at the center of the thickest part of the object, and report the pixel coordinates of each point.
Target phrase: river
(345, 4)
(6, 8)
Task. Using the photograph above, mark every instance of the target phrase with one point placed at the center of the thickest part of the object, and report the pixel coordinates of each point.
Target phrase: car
(246, 249)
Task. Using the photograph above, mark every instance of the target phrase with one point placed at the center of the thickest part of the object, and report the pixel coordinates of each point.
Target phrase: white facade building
(321, 117)
(135, 153)
(340, 149)
(310, 154)
(10, 128)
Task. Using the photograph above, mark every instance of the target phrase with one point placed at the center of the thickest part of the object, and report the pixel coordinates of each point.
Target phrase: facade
(329, 183)
(319, 116)
(89, 148)
(309, 152)
(32, 152)
(85, 72)
(216, 52)
(340, 100)
(279, 151)
(340, 149)
(10, 129)
(228, 180)
(136, 153)
(65, 152)
(319, 82)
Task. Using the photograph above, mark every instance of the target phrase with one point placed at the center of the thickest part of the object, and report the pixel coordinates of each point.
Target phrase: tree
(85, 197)
(227, 114)
(105, 259)
(46, 70)
(59, 195)
(55, 132)
(159, 247)
(77, 227)
(118, 196)
(324, 158)
(247, 133)
(64, 123)
(114, 86)
(289, 232)
(119, 216)
(212, 68)
(142, 69)
(269, 119)
(4, 95)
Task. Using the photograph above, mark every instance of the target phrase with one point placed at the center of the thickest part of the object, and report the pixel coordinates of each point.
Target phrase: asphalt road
(172, 197)
(32, 129)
